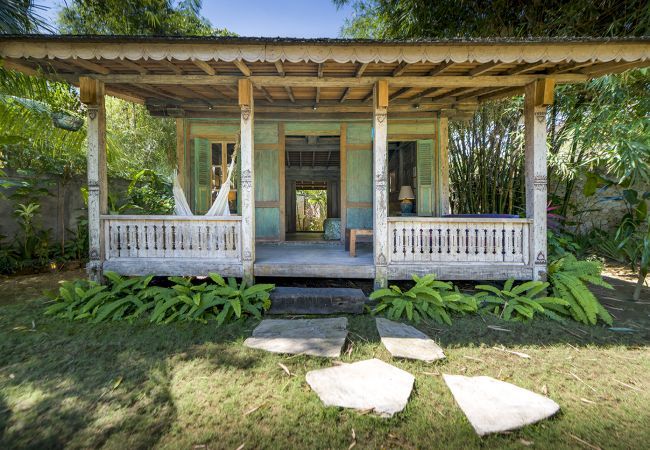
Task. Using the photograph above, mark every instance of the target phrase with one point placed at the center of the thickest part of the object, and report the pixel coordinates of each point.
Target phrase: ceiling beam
(89, 65)
(564, 68)
(525, 68)
(483, 68)
(266, 93)
(204, 66)
(362, 68)
(441, 68)
(398, 93)
(171, 66)
(280, 68)
(400, 69)
(243, 68)
(345, 95)
(133, 66)
(609, 67)
(342, 82)
(320, 75)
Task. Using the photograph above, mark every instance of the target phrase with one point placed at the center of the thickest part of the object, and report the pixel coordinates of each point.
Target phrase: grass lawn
(187, 386)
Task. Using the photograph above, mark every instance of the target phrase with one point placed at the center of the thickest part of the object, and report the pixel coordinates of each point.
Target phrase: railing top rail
(421, 219)
(173, 218)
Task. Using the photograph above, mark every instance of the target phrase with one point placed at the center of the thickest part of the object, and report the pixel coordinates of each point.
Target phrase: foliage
(449, 18)
(568, 278)
(428, 298)
(136, 17)
(519, 302)
(134, 298)
(313, 215)
(21, 16)
(486, 161)
(150, 193)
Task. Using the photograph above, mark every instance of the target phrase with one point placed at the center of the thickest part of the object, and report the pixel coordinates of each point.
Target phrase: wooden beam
(133, 66)
(483, 68)
(267, 94)
(441, 68)
(544, 92)
(613, 66)
(317, 94)
(311, 81)
(171, 66)
(380, 183)
(525, 68)
(362, 68)
(280, 68)
(247, 177)
(88, 65)
(290, 94)
(345, 95)
(400, 69)
(204, 66)
(500, 93)
(19, 67)
(320, 70)
(398, 93)
(243, 68)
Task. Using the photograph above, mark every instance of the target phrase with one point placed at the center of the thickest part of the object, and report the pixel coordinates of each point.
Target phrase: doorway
(312, 177)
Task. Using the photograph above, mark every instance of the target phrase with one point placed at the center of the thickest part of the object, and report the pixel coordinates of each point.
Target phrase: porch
(349, 108)
(452, 248)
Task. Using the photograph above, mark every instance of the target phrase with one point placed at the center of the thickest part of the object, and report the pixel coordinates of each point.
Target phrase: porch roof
(197, 76)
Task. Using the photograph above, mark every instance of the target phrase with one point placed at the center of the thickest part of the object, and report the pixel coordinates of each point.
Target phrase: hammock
(219, 206)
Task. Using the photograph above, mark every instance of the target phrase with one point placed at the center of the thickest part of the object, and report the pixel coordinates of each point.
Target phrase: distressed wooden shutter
(425, 178)
(201, 166)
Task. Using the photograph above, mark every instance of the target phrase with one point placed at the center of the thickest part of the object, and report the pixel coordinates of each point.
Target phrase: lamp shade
(406, 193)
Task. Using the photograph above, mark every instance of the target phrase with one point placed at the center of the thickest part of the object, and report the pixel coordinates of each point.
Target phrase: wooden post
(91, 92)
(536, 99)
(443, 157)
(247, 178)
(380, 182)
(343, 207)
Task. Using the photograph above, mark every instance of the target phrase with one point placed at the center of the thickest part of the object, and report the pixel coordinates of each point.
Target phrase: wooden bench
(351, 238)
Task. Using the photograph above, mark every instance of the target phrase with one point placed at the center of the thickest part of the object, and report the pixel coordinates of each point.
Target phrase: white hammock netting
(219, 206)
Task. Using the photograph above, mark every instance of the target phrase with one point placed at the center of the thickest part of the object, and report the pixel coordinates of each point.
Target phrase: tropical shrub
(520, 302)
(569, 277)
(429, 298)
(133, 298)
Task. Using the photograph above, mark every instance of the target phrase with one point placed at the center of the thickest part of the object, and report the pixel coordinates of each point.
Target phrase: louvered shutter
(201, 166)
(425, 178)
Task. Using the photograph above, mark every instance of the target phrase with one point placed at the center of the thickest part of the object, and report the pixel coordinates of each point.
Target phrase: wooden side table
(351, 238)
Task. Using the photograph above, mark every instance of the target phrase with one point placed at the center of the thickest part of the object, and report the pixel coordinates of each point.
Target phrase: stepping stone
(315, 337)
(404, 341)
(494, 406)
(365, 385)
(295, 300)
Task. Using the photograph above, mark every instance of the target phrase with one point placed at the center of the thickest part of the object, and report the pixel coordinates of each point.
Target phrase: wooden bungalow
(359, 119)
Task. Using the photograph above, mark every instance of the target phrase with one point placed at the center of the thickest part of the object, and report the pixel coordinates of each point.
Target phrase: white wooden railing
(442, 240)
(172, 237)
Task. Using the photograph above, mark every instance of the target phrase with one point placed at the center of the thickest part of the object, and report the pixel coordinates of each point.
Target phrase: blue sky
(287, 18)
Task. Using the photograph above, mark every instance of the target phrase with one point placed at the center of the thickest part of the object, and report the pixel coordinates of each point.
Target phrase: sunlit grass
(118, 385)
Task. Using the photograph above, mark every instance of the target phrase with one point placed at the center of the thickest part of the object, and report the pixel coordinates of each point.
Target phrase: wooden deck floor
(313, 260)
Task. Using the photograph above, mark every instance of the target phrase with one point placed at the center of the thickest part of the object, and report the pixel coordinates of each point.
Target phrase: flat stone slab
(494, 406)
(365, 385)
(295, 300)
(315, 337)
(404, 341)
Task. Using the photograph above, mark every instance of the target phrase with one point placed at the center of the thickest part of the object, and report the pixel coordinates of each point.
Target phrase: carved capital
(540, 182)
(245, 113)
(380, 115)
(247, 180)
(92, 112)
(540, 116)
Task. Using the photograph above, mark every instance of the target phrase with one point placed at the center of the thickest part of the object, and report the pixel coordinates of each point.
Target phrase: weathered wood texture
(92, 92)
(458, 240)
(380, 183)
(173, 237)
(183, 267)
(536, 181)
(247, 178)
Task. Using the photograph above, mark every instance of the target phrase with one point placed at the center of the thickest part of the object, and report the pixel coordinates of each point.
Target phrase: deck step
(297, 300)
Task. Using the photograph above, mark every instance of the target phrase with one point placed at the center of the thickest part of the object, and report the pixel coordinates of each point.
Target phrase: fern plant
(124, 298)
(569, 277)
(429, 298)
(520, 302)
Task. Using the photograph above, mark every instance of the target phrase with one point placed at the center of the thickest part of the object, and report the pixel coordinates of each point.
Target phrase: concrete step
(296, 300)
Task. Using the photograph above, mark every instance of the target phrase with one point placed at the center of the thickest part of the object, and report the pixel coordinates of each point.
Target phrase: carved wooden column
(538, 95)
(91, 92)
(443, 159)
(380, 182)
(247, 178)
